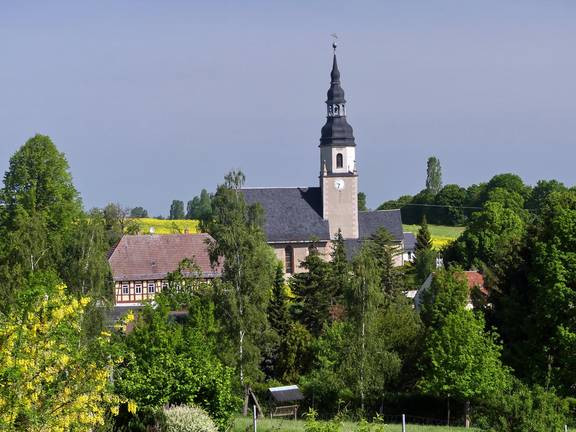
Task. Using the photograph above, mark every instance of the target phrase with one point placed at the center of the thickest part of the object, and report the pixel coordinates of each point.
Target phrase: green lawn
(244, 424)
(441, 234)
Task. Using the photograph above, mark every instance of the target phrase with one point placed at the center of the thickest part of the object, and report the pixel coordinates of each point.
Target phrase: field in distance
(441, 234)
(244, 424)
(167, 226)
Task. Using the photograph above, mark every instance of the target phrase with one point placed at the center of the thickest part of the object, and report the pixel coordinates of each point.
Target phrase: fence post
(565, 428)
(254, 418)
(403, 422)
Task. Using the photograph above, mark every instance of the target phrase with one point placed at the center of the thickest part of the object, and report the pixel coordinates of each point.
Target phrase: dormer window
(339, 160)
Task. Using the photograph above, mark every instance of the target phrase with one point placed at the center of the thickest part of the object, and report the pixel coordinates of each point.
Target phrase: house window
(164, 285)
(151, 288)
(125, 289)
(138, 288)
(289, 259)
(339, 160)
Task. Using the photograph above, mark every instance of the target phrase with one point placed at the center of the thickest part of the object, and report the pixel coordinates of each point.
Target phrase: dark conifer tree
(313, 290)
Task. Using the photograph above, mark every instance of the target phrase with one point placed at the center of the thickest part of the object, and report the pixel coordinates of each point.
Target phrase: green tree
(448, 293)
(395, 204)
(243, 293)
(493, 237)
(509, 182)
(463, 361)
(314, 293)
(425, 260)
(176, 210)
(362, 201)
(200, 207)
(40, 209)
(138, 212)
(169, 362)
(451, 198)
(433, 175)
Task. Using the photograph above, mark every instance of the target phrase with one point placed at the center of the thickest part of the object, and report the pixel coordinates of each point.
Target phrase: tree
(200, 207)
(464, 361)
(362, 201)
(243, 293)
(395, 204)
(314, 293)
(51, 379)
(176, 210)
(451, 198)
(492, 238)
(138, 212)
(425, 260)
(174, 363)
(40, 209)
(433, 175)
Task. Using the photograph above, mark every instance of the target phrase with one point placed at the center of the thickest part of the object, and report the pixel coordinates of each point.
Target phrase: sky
(152, 101)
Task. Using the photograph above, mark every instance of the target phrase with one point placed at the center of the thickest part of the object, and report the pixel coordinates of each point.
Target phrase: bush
(185, 418)
(524, 409)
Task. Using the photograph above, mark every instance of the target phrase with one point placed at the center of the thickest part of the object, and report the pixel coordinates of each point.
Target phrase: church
(297, 219)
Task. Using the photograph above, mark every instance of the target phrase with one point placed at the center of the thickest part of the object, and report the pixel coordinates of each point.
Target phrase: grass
(441, 234)
(244, 424)
(166, 226)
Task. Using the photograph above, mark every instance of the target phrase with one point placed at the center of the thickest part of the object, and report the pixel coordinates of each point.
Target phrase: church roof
(295, 214)
(370, 221)
(409, 242)
(291, 214)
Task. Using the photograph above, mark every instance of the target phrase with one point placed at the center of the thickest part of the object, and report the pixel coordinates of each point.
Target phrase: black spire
(336, 131)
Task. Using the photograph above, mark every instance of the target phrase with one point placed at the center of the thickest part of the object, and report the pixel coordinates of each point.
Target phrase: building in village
(140, 264)
(299, 218)
(474, 280)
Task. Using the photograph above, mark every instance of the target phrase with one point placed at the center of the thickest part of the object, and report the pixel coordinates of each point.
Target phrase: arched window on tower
(289, 259)
(339, 160)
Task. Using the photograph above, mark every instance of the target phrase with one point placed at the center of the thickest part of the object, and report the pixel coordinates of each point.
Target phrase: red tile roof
(152, 257)
(475, 279)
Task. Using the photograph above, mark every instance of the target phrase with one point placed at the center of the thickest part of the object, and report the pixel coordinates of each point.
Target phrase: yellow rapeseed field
(166, 226)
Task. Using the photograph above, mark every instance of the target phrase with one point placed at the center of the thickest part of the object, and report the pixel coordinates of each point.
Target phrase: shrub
(185, 418)
(523, 409)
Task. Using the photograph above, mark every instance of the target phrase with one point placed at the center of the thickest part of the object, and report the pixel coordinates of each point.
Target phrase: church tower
(338, 175)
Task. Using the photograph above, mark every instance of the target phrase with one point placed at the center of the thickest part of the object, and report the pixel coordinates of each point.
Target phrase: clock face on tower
(339, 184)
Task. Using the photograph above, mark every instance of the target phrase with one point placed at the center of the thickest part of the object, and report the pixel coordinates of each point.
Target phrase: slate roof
(152, 257)
(409, 242)
(291, 214)
(370, 221)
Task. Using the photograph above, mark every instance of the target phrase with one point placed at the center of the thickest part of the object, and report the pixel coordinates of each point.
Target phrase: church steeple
(336, 131)
(338, 175)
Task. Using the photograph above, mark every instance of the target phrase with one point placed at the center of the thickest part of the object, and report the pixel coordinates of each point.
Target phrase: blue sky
(153, 101)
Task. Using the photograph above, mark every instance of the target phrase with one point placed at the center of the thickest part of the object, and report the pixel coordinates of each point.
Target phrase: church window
(289, 259)
(339, 160)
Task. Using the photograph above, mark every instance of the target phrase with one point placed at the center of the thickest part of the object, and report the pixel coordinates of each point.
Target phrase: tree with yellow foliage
(51, 378)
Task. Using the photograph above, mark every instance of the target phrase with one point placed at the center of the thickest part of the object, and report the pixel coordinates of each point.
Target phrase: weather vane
(334, 44)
